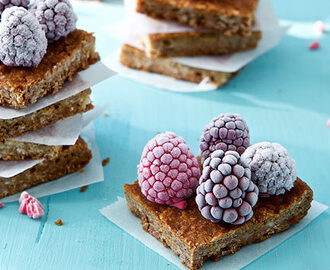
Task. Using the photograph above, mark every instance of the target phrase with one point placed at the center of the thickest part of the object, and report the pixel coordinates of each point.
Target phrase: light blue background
(284, 96)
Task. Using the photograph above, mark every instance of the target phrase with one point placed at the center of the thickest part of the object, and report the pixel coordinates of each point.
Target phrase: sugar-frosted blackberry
(227, 132)
(226, 192)
(56, 17)
(273, 170)
(4, 4)
(22, 41)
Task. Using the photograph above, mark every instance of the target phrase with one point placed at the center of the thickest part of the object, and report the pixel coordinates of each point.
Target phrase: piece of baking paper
(265, 17)
(123, 218)
(83, 80)
(93, 173)
(157, 80)
(63, 132)
(11, 168)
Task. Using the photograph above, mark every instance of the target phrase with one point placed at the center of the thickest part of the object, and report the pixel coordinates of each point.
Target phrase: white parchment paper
(154, 79)
(93, 173)
(63, 132)
(12, 168)
(123, 218)
(83, 80)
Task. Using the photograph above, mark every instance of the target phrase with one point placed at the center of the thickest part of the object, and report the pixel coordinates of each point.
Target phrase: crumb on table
(105, 114)
(81, 170)
(105, 161)
(82, 189)
(59, 222)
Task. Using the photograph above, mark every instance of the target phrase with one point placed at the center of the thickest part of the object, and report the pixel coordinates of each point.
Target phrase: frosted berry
(22, 41)
(227, 132)
(13, 3)
(226, 192)
(272, 169)
(56, 17)
(168, 172)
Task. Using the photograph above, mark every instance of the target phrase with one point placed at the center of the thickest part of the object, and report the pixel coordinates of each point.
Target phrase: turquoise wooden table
(284, 96)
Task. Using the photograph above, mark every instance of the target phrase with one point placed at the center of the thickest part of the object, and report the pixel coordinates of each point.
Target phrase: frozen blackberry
(56, 17)
(227, 132)
(22, 41)
(226, 192)
(273, 170)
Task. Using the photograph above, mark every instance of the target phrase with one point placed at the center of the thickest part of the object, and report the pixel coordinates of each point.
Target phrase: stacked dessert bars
(21, 87)
(218, 27)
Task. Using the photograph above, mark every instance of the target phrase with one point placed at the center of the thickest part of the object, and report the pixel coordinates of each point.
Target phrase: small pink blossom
(30, 206)
(318, 27)
(314, 45)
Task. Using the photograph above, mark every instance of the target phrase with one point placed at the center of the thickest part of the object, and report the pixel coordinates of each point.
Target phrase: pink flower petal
(314, 45)
(30, 206)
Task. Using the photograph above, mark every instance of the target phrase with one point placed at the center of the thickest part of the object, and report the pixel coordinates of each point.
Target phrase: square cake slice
(20, 86)
(16, 150)
(225, 16)
(197, 43)
(78, 103)
(137, 59)
(194, 238)
(70, 159)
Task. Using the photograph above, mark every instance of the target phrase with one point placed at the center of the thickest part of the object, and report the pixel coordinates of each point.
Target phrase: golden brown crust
(197, 43)
(71, 159)
(20, 87)
(60, 110)
(195, 238)
(137, 59)
(226, 16)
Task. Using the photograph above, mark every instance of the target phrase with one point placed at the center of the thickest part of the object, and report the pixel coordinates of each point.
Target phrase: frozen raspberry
(56, 17)
(272, 169)
(13, 3)
(227, 132)
(30, 206)
(168, 172)
(22, 41)
(226, 192)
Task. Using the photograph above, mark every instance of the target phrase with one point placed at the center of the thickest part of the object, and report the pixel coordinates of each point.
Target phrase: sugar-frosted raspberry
(13, 3)
(227, 132)
(30, 206)
(56, 17)
(226, 192)
(168, 172)
(22, 41)
(272, 169)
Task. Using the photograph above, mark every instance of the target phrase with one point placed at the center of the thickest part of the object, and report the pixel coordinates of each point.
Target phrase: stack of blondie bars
(217, 27)
(21, 88)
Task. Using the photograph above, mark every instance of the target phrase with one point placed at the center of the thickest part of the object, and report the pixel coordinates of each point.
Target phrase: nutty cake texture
(78, 103)
(226, 16)
(69, 160)
(197, 43)
(16, 150)
(194, 238)
(137, 59)
(20, 86)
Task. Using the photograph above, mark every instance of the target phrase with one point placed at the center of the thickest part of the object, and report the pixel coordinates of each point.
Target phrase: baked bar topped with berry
(40, 49)
(245, 193)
